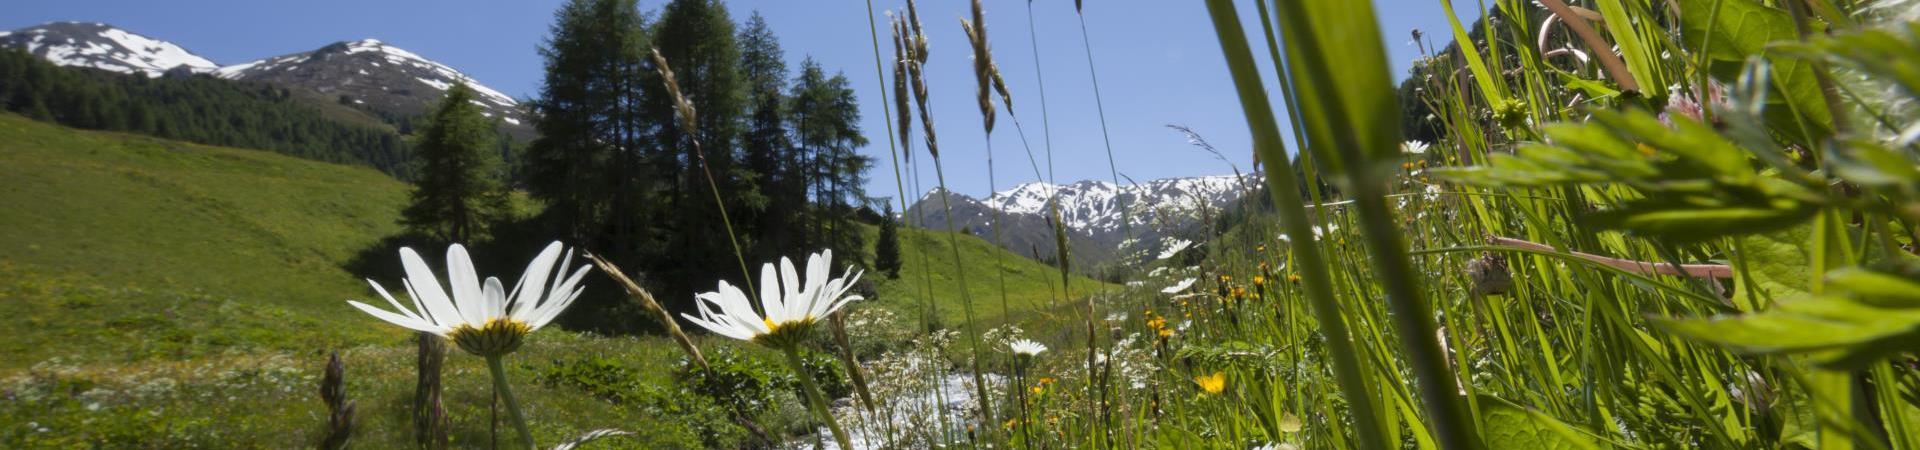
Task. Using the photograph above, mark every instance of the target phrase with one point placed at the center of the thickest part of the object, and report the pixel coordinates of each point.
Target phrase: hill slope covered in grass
(148, 275)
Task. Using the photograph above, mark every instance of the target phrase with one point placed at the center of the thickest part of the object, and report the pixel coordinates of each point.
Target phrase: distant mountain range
(1099, 215)
(368, 74)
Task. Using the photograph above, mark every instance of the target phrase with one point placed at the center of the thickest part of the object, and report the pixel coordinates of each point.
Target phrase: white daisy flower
(1026, 347)
(482, 318)
(789, 305)
(1413, 147)
(1174, 247)
(1181, 286)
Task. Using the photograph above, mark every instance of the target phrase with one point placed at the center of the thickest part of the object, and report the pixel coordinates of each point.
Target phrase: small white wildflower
(1181, 286)
(1174, 247)
(1026, 347)
(1413, 147)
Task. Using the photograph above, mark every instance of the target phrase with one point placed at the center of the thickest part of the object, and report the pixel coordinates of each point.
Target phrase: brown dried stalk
(430, 422)
(1641, 267)
(333, 391)
(647, 302)
(1609, 60)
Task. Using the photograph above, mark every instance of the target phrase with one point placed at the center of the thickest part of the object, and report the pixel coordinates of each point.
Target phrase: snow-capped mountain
(101, 46)
(377, 75)
(1098, 215)
(388, 81)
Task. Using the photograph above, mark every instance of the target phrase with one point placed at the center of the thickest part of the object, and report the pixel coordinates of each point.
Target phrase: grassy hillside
(177, 241)
(144, 275)
(1030, 285)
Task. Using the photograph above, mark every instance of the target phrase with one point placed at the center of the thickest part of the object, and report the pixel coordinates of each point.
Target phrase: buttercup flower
(483, 318)
(789, 305)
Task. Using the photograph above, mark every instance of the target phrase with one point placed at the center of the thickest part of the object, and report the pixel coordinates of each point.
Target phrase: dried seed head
(982, 62)
(673, 88)
(919, 35)
(1000, 85)
(900, 94)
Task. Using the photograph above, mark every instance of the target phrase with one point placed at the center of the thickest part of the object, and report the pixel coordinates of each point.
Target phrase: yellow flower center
(499, 336)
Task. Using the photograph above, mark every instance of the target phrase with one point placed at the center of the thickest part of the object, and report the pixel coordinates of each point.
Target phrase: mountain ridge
(1104, 221)
(391, 83)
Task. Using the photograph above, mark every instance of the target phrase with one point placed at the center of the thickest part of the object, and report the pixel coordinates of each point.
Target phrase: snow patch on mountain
(101, 46)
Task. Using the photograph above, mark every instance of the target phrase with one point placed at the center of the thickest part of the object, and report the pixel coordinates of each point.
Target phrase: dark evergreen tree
(589, 165)
(697, 39)
(886, 253)
(594, 164)
(826, 119)
(458, 191)
(768, 151)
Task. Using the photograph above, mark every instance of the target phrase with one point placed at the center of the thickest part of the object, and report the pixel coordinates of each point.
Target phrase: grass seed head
(673, 88)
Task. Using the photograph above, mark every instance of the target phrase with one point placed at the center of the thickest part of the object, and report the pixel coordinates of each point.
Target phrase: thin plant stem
(815, 400)
(966, 298)
(499, 371)
(1293, 217)
(1411, 314)
(1126, 216)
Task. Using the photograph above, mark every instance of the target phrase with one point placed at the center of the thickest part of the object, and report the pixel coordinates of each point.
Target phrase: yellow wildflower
(1212, 384)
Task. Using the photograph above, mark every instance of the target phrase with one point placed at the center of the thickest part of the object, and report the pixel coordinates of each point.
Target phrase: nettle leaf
(1743, 29)
(1507, 425)
(1871, 315)
(1776, 263)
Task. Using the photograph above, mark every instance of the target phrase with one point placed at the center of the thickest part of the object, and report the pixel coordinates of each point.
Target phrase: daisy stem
(506, 396)
(815, 400)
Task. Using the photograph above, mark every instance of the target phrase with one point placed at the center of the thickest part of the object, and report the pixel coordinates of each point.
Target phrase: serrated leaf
(1743, 29)
(1511, 426)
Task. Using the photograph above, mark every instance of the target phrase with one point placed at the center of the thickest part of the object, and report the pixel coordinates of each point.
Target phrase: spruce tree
(886, 253)
(826, 118)
(458, 190)
(697, 39)
(767, 149)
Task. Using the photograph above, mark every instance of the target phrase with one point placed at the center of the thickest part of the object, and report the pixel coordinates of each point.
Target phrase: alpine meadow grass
(1581, 224)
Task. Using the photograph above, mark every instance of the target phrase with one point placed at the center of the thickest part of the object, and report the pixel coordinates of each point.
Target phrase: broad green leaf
(1743, 29)
(1777, 264)
(1878, 289)
(1507, 425)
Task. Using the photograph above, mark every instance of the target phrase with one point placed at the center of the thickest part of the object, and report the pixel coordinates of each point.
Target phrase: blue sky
(1158, 64)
